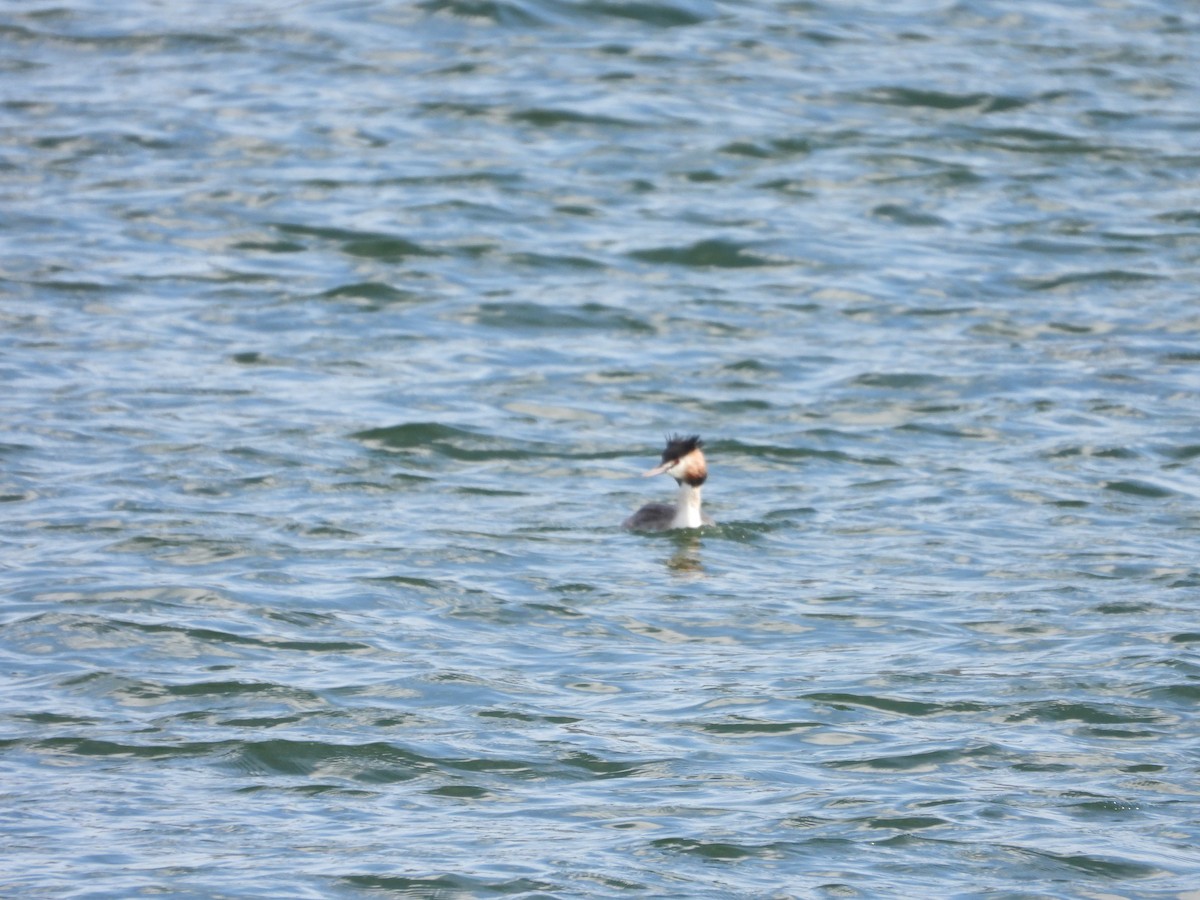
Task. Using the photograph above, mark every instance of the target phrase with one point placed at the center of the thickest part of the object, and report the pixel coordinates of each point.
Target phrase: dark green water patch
(897, 380)
(375, 292)
(106, 749)
(714, 850)
(386, 249)
(907, 823)
(420, 439)
(657, 14)
(712, 253)
(1107, 867)
(494, 12)
(592, 316)
(902, 707)
(460, 792)
(551, 261)
(373, 763)
(1089, 713)
(1138, 489)
(1111, 277)
(411, 435)
(943, 100)
(551, 118)
(900, 214)
(270, 246)
(599, 767)
(435, 887)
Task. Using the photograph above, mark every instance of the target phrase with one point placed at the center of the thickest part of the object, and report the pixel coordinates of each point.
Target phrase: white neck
(687, 507)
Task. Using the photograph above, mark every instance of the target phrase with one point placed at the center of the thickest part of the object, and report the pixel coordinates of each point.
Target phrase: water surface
(335, 335)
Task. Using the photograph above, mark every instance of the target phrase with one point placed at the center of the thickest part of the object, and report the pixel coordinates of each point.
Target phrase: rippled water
(335, 334)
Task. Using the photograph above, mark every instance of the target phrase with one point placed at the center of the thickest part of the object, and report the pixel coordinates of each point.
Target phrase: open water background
(333, 336)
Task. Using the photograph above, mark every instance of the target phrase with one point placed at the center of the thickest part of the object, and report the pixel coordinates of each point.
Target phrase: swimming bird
(684, 461)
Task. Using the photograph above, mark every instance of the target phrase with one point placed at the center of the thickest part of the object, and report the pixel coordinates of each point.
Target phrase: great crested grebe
(683, 460)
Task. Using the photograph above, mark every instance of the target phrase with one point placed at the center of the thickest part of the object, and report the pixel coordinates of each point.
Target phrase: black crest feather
(679, 446)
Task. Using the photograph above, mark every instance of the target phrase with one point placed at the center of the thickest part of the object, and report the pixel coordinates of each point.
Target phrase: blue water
(335, 335)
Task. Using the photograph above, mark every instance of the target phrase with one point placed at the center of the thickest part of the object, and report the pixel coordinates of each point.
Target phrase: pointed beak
(658, 470)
